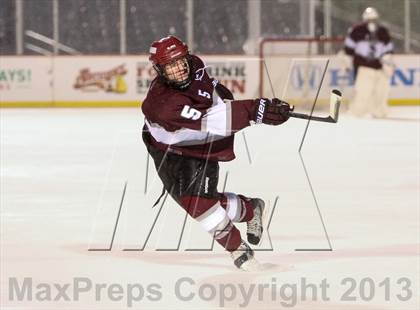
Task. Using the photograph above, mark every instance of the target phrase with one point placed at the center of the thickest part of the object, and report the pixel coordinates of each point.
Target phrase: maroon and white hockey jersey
(197, 121)
(367, 47)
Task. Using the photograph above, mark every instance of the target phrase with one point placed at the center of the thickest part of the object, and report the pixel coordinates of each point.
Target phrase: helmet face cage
(171, 61)
(177, 73)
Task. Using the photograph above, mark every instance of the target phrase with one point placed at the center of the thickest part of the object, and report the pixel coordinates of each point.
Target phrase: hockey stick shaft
(327, 119)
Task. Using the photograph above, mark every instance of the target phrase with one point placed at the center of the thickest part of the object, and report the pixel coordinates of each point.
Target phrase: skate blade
(251, 265)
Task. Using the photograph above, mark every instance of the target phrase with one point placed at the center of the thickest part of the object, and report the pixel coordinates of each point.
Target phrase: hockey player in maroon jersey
(190, 122)
(370, 46)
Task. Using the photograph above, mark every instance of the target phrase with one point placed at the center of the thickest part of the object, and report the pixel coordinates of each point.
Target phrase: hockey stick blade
(335, 101)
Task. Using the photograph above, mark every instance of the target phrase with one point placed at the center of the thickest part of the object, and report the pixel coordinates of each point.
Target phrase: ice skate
(255, 225)
(243, 258)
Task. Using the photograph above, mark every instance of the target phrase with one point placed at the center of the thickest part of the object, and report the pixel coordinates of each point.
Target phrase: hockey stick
(335, 101)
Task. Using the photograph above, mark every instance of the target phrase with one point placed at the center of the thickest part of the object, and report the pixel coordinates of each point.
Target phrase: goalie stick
(335, 101)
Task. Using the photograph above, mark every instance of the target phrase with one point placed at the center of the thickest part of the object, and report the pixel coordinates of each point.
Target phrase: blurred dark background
(33, 27)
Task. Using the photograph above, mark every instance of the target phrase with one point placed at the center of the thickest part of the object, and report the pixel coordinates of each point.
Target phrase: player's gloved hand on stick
(272, 112)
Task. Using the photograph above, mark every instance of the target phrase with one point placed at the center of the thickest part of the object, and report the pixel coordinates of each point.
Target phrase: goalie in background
(370, 47)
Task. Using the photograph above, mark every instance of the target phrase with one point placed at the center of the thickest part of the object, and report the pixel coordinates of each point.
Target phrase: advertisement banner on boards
(238, 73)
(27, 79)
(125, 80)
(95, 79)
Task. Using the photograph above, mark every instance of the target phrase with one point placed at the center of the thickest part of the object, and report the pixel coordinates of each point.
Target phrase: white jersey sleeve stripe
(363, 48)
(218, 119)
(388, 48)
(228, 104)
(181, 137)
(349, 42)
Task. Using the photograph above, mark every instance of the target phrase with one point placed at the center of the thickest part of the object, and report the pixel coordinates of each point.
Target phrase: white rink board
(98, 75)
(26, 78)
(69, 70)
(119, 79)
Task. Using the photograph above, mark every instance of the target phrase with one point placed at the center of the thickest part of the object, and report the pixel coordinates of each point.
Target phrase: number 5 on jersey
(190, 113)
(204, 94)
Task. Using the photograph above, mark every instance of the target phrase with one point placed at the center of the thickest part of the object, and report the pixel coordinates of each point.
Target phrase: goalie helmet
(370, 14)
(170, 58)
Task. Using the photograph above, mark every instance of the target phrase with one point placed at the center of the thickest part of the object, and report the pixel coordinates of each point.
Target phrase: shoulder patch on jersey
(199, 73)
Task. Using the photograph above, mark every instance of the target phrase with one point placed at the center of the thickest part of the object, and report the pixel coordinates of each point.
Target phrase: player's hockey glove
(271, 112)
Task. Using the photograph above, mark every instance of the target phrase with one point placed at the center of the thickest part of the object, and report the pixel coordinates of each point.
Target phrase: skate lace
(253, 225)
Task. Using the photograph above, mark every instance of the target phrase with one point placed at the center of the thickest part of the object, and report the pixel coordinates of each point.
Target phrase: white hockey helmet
(370, 14)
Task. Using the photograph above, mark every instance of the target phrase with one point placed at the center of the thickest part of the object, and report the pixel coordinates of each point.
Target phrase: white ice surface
(62, 178)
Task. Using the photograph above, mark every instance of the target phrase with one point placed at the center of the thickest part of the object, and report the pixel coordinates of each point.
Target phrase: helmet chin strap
(184, 84)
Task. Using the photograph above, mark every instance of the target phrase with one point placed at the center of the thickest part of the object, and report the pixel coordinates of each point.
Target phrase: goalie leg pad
(380, 97)
(363, 88)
